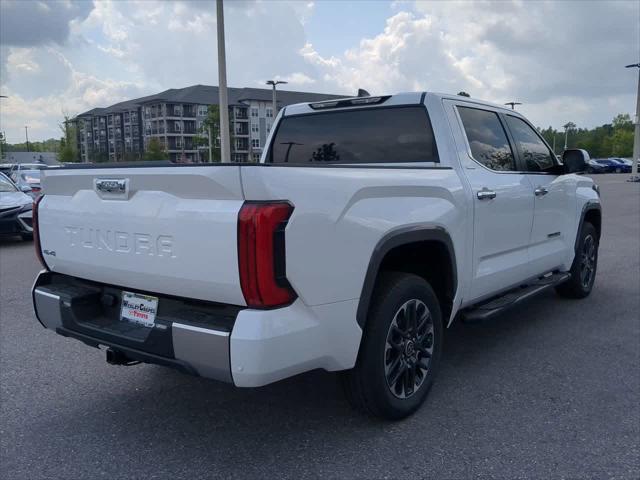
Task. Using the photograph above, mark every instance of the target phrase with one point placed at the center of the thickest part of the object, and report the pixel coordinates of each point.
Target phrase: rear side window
(487, 139)
(536, 155)
(375, 135)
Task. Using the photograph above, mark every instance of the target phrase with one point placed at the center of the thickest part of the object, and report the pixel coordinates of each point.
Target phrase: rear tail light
(36, 231)
(261, 254)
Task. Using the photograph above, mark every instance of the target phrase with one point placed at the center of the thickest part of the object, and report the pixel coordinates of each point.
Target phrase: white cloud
(296, 79)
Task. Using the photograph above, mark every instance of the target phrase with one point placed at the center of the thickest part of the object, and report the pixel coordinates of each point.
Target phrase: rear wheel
(585, 264)
(400, 349)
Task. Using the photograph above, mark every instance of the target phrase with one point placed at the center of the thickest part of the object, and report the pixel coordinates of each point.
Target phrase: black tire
(27, 237)
(585, 264)
(386, 349)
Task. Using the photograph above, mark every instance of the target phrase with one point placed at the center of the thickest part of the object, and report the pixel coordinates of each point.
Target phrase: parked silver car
(15, 210)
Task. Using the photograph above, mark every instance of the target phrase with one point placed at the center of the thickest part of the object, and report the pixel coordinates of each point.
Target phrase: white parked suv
(369, 225)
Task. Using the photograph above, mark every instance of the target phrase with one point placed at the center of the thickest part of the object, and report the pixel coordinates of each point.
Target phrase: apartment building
(176, 117)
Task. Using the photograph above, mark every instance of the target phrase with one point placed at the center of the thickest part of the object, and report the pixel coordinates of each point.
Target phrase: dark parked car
(595, 167)
(15, 210)
(622, 165)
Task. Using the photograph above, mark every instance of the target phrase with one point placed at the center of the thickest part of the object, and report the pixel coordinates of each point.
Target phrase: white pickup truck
(369, 225)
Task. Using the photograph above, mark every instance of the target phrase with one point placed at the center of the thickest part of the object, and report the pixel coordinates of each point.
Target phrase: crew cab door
(554, 196)
(502, 199)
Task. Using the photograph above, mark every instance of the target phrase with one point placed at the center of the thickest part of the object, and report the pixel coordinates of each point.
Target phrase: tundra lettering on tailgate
(121, 242)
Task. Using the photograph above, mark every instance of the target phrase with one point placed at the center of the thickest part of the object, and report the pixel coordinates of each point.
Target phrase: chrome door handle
(540, 191)
(486, 194)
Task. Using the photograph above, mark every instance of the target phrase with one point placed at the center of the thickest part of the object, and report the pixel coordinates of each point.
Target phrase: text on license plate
(139, 308)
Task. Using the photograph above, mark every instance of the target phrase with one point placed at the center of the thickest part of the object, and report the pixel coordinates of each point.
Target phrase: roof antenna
(363, 93)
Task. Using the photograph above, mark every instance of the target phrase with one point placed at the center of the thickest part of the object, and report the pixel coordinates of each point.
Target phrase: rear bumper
(193, 338)
(246, 347)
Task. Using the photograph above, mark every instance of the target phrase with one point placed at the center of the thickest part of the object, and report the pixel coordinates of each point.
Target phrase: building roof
(208, 95)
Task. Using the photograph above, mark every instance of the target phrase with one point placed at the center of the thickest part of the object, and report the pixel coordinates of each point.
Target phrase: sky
(563, 60)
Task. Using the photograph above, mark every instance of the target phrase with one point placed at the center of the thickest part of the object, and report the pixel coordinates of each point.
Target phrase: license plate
(139, 308)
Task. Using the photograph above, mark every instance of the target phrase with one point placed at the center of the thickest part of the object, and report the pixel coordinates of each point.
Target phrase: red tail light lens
(261, 254)
(36, 230)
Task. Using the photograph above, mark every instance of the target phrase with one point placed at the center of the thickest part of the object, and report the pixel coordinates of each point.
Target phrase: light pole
(273, 84)
(4, 137)
(636, 135)
(26, 135)
(567, 126)
(513, 104)
(225, 148)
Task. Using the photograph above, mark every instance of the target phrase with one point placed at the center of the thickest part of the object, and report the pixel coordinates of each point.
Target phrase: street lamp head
(275, 82)
(633, 65)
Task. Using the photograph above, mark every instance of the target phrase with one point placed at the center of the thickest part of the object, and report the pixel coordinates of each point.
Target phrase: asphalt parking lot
(550, 390)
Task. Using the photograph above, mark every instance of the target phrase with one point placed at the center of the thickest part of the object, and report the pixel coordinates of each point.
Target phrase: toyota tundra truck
(369, 225)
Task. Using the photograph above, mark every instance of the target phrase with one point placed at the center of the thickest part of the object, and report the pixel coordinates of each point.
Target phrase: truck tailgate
(171, 230)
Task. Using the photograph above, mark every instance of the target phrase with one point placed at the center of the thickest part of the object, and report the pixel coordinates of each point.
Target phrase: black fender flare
(586, 208)
(393, 239)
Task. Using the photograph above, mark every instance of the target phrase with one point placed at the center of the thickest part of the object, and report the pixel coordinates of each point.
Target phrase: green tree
(155, 151)
(68, 147)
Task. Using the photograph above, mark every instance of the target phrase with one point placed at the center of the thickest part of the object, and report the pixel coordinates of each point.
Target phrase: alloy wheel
(409, 348)
(588, 261)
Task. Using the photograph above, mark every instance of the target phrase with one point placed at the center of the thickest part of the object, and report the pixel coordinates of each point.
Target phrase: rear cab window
(371, 135)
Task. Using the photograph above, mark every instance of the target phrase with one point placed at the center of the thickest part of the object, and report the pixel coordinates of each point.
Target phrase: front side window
(487, 139)
(372, 135)
(535, 153)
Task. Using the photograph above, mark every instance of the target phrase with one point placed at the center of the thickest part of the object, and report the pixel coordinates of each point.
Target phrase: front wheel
(400, 349)
(585, 264)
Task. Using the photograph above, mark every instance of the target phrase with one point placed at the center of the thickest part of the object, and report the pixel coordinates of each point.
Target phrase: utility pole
(513, 104)
(273, 84)
(26, 135)
(210, 154)
(225, 147)
(636, 135)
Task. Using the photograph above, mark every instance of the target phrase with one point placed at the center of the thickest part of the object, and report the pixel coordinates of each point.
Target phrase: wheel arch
(592, 213)
(402, 239)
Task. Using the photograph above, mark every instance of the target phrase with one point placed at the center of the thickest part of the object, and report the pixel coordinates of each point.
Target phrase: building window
(238, 158)
(178, 126)
(202, 110)
(268, 127)
(134, 117)
(178, 142)
(269, 112)
(256, 157)
(254, 112)
(177, 110)
(255, 127)
(255, 142)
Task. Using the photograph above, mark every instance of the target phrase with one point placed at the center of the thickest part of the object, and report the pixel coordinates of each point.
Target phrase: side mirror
(25, 188)
(575, 160)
